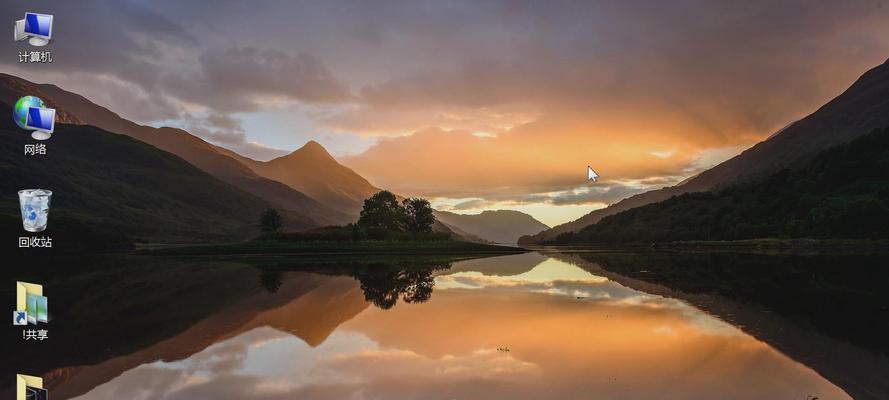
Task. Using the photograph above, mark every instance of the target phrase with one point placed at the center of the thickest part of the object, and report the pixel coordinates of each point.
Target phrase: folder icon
(29, 298)
(25, 384)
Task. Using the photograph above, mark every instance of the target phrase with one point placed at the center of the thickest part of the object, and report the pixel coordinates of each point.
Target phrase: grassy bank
(272, 247)
(766, 245)
(786, 244)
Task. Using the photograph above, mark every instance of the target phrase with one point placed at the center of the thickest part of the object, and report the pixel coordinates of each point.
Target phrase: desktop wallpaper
(447, 199)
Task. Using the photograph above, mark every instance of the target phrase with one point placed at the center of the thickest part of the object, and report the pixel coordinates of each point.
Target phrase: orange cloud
(542, 156)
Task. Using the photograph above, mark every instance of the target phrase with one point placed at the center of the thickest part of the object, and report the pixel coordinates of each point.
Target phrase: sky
(475, 105)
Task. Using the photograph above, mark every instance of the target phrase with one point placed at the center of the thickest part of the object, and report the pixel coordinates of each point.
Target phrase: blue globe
(20, 110)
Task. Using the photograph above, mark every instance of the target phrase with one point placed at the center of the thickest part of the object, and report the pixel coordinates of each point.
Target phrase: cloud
(586, 194)
(242, 78)
(125, 98)
(716, 70)
(400, 121)
(228, 132)
(664, 94)
(470, 205)
(540, 157)
(223, 121)
(596, 194)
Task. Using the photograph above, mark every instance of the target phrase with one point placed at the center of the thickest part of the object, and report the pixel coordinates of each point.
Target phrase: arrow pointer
(592, 175)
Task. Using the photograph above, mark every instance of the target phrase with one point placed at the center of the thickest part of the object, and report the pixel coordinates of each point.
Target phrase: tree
(382, 211)
(418, 215)
(270, 221)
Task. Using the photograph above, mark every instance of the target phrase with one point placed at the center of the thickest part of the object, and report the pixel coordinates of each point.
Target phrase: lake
(528, 326)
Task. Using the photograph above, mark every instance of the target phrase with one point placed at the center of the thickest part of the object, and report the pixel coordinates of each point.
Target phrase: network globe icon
(31, 113)
(20, 110)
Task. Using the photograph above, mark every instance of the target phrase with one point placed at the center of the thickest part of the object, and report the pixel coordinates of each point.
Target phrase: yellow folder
(22, 382)
(21, 294)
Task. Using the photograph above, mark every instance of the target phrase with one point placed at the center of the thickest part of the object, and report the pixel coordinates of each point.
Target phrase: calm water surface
(524, 326)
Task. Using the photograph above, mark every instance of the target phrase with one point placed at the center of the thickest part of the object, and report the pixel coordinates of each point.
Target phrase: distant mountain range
(313, 189)
(310, 187)
(500, 226)
(859, 110)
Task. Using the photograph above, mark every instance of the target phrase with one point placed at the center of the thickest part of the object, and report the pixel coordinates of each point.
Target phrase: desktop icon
(32, 114)
(30, 301)
(37, 28)
(29, 388)
(34, 204)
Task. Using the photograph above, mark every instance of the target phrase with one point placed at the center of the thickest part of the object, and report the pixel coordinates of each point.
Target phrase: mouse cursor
(591, 175)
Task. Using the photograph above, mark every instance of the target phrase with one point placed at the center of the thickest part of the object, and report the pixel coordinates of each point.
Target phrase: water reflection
(384, 284)
(271, 280)
(571, 334)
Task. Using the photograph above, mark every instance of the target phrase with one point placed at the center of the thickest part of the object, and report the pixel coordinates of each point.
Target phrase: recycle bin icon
(35, 208)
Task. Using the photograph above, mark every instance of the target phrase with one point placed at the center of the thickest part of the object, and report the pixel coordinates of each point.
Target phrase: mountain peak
(313, 150)
(313, 171)
(311, 144)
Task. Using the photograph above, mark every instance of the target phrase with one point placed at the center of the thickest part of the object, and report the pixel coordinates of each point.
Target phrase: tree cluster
(383, 211)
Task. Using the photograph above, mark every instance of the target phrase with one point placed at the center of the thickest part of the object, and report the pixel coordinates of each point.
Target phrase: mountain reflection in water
(570, 334)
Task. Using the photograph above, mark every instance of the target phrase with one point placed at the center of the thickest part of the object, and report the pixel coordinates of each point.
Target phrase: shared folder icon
(29, 298)
(29, 387)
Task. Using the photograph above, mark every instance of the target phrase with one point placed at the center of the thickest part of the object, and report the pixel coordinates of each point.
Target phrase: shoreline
(745, 245)
(313, 248)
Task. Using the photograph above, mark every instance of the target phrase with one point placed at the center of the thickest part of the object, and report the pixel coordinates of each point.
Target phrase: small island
(385, 226)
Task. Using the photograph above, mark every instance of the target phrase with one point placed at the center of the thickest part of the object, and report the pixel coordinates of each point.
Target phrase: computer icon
(30, 301)
(31, 113)
(37, 28)
(42, 121)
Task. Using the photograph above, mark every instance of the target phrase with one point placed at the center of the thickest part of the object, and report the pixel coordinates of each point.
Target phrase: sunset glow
(499, 103)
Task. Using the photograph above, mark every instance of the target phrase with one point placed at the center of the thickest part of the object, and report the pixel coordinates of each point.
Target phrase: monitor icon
(31, 113)
(42, 121)
(30, 301)
(37, 28)
(29, 388)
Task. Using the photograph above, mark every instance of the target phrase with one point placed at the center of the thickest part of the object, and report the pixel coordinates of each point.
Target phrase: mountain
(457, 233)
(500, 226)
(842, 193)
(309, 182)
(128, 188)
(313, 171)
(863, 107)
(75, 109)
